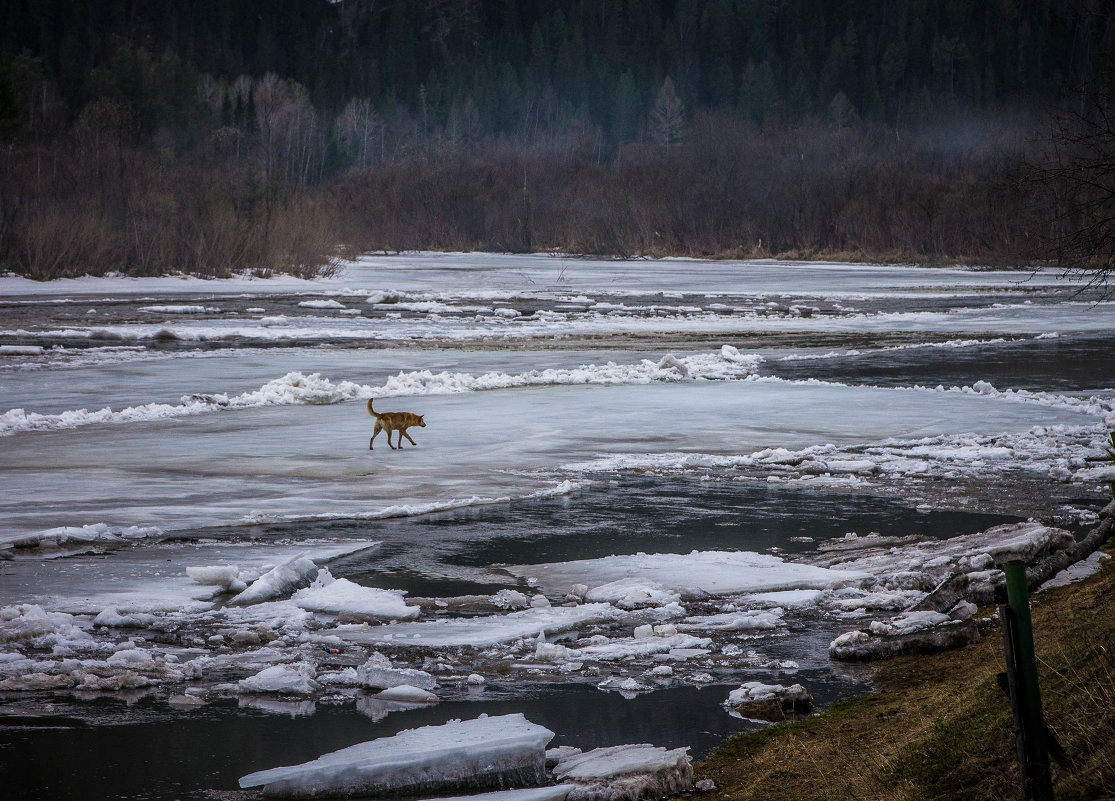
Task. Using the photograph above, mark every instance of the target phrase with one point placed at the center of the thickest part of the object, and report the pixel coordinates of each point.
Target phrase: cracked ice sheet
(150, 578)
(494, 276)
(695, 574)
(290, 462)
(1016, 319)
(479, 632)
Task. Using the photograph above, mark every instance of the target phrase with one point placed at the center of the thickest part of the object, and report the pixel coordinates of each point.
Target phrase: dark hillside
(216, 135)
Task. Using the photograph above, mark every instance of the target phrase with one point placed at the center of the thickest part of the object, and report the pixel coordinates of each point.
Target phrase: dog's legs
(392, 447)
(375, 433)
(403, 433)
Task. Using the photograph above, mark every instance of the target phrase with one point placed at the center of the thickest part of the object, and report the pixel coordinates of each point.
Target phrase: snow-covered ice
(282, 680)
(327, 594)
(278, 582)
(187, 498)
(481, 631)
(478, 754)
(407, 693)
(626, 773)
(695, 574)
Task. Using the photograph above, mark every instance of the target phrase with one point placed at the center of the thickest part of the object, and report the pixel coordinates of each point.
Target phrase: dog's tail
(371, 411)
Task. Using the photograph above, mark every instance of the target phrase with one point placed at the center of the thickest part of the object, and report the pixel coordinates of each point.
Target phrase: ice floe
(408, 694)
(282, 680)
(769, 702)
(625, 773)
(321, 304)
(180, 309)
(693, 575)
(327, 594)
(479, 632)
(378, 672)
(93, 533)
(279, 582)
(480, 754)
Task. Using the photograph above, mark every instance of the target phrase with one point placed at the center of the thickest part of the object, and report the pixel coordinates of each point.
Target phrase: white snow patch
(1078, 572)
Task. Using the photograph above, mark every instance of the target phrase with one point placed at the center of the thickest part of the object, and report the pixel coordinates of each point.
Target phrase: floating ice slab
(481, 631)
(769, 702)
(282, 679)
(626, 773)
(615, 650)
(327, 594)
(408, 694)
(460, 755)
(378, 672)
(696, 574)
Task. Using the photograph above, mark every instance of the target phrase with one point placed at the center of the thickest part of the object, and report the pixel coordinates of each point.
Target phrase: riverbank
(939, 727)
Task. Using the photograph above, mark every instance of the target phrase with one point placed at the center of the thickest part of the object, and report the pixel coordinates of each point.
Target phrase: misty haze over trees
(274, 134)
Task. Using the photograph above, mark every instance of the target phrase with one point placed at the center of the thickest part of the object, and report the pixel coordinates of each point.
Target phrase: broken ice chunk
(226, 576)
(1024, 541)
(478, 632)
(278, 582)
(632, 593)
(770, 702)
(282, 679)
(407, 694)
(626, 773)
(378, 672)
(327, 594)
(458, 756)
(719, 572)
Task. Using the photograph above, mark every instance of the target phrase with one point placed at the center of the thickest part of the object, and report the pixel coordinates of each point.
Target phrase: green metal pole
(1018, 599)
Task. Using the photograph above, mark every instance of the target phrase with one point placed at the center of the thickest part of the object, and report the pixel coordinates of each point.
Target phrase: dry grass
(939, 727)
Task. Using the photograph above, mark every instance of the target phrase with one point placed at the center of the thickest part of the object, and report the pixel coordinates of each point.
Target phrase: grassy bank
(939, 727)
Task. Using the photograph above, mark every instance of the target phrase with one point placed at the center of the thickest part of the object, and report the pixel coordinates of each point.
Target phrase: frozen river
(576, 410)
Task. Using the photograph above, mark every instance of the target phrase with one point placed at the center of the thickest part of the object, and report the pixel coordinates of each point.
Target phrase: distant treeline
(219, 135)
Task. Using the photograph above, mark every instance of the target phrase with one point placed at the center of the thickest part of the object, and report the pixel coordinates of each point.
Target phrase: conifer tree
(666, 119)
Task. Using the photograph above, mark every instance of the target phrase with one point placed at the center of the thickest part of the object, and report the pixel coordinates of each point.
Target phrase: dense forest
(219, 135)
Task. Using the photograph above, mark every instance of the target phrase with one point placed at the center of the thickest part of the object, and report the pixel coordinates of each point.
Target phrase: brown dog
(394, 421)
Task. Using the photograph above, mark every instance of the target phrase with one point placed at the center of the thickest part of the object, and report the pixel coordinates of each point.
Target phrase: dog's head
(421, 422)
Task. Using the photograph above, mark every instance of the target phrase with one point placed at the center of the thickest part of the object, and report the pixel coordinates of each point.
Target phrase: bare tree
(271, 94)
(358, 127)
(1078, 179)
